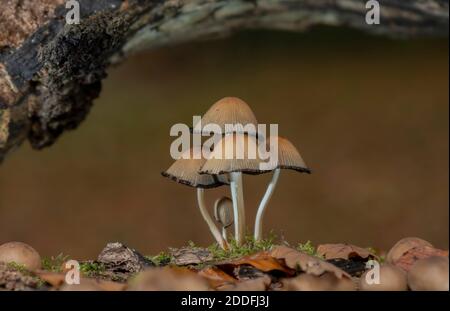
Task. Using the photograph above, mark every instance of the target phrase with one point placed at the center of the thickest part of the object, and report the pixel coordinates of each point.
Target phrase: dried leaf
(411, 256)
(216, 277)
(262, 261)
(325, 282)
(55, 279)
(258, 284)
(190, 255)
(343, 251)
(168, 279)
(299, 260)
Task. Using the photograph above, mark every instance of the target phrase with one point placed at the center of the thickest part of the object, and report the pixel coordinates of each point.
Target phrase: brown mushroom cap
(429, 274)
(391, 279)
(185, 171)
(227, 159)
(404, 245)
(288, 156)
(20, 253)
(230, 110)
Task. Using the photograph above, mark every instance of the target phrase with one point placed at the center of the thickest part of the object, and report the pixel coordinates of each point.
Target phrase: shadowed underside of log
(50, 72)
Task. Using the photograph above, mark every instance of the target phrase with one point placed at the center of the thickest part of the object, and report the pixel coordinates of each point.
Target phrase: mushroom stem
(237, 195)
(262, 206)
(209, 221)
(224, 234)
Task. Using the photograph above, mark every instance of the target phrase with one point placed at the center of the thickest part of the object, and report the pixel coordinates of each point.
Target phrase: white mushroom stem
(224, 234)
(262, 206)
(237, 195)
(209, 221)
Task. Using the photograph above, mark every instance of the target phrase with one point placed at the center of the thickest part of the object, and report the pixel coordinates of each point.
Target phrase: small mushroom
(288, 158)
(235, 154)
(230, 111)
(391, 278)
(223, 213)
(429, 274)
(404, 245)
(20, 253)
(185, 171)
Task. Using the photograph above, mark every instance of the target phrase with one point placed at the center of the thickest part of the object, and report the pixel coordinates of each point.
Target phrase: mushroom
(391, 279)
(20, 253)
(288, 158)
(229, 111)
(404, 245)
(429, 274)
(235, 154)
(185, 171)
(223, 213)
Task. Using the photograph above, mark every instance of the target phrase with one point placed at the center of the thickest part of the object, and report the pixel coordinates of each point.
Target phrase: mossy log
(50, 72)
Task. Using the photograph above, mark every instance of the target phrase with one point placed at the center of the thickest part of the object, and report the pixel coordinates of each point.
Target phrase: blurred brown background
(368, 114)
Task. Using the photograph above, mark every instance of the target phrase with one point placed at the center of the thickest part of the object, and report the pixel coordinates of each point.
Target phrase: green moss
(308, 248)
(53, 263)
(161, 259)
(17, 267)
(235, 251)
(91, 268)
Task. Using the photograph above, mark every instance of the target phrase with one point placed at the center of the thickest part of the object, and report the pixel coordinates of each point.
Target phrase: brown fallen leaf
(343, 251)
(258, 284)
(190, 255)
(216, 277)
(57, 280)
(168, 279)
(299, 260)
(404, 245)
(414, 254)
(262, 261)
(325, 282)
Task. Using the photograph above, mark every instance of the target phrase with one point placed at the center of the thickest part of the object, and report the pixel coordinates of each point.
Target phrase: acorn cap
(185, 171)
(288, 156)
(238, 153)
(230, 110)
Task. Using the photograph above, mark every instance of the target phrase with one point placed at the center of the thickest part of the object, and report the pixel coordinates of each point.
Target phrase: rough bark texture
(50, 72)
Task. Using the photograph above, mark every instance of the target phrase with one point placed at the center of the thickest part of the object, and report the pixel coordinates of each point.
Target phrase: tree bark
(50, 72)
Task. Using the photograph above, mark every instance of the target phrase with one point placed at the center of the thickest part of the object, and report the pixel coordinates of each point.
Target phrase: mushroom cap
(391, 279)
(404, 245)
(230, 110)
(429, 274)
(236, 153)
(185, 171)
(20, 253)
(288, 156)
(223, 211)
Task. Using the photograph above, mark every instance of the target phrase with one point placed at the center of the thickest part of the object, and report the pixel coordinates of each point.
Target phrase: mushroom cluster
(236, 152)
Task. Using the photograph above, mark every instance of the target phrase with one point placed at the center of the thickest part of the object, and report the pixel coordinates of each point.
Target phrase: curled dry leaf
(190, 255)
(258, 284)
(404, 245)
(326, 282)
(262, 261)
(343, 251)
(299, 260)
(216, 277)
(58, 280)
(414, 254)
(168, 279)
